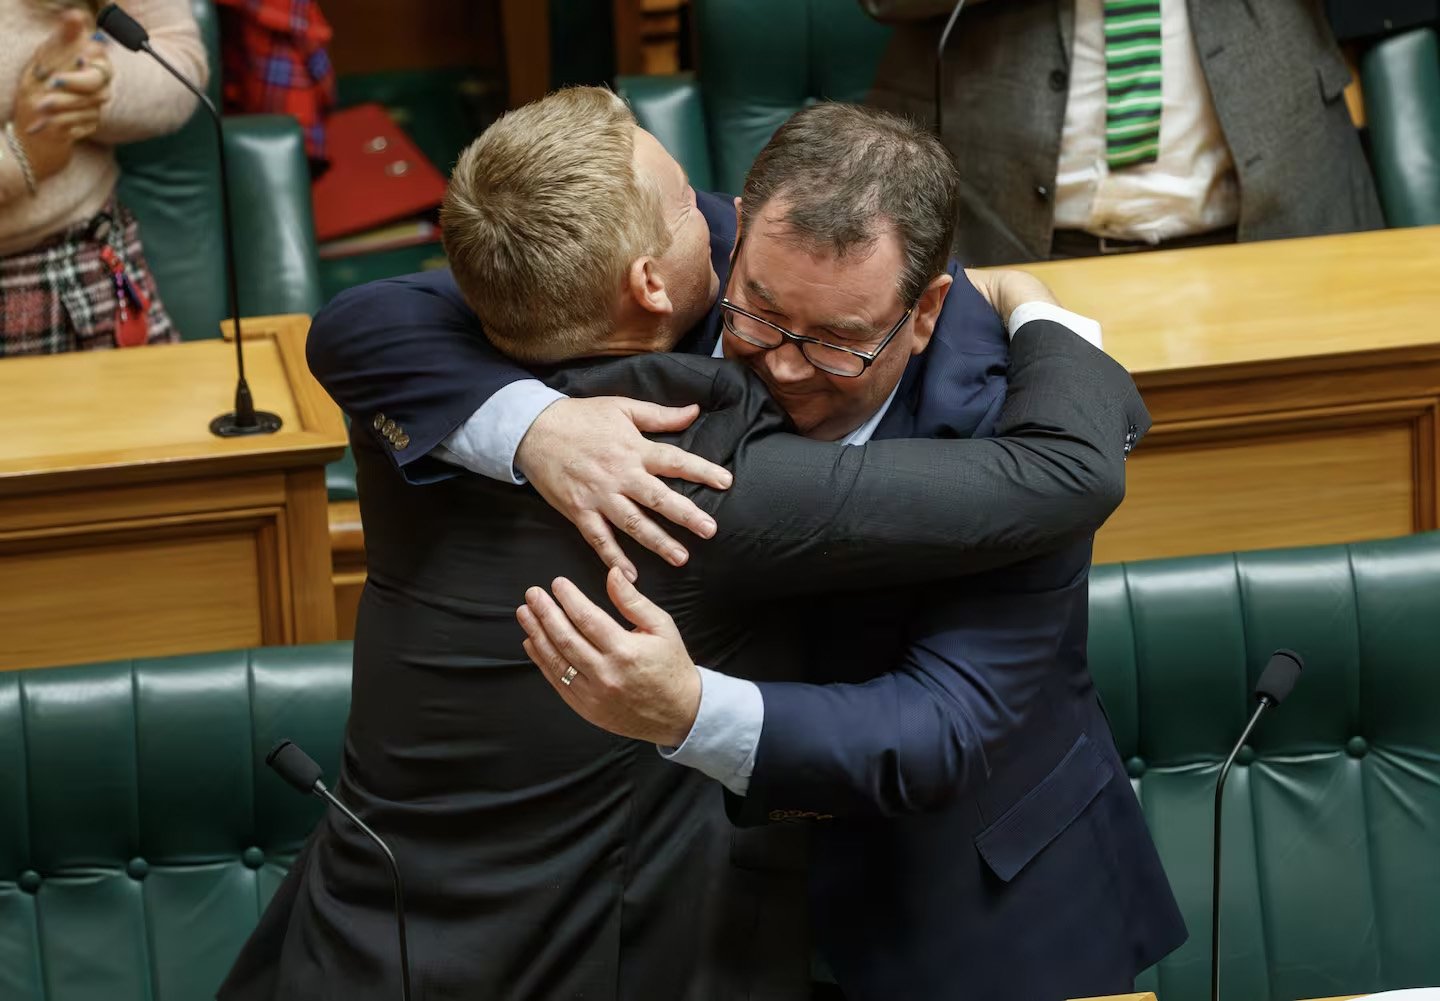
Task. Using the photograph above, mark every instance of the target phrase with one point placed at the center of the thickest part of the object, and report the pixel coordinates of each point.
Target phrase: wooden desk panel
(1295, 387)
(127, 529)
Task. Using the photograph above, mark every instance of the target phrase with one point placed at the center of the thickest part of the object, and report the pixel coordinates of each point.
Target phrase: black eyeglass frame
(867, 358)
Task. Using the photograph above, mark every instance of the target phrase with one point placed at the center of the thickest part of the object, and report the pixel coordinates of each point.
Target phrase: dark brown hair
(847, 174)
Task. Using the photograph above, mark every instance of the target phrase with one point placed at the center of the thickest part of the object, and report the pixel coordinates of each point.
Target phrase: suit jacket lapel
(1065, 22)
(956, 388)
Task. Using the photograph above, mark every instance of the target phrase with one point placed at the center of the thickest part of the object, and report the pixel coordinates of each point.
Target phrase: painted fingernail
(99, 36)
(57, 83)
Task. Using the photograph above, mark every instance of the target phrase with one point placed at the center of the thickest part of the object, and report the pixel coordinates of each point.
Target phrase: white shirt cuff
(1082, 325)
(726, 734)
(487, 442)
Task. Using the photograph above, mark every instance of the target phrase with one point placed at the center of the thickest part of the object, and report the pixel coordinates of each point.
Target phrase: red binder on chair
(376, 175)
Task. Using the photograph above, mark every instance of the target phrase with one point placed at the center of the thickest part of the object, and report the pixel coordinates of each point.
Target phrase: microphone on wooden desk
(244, 419)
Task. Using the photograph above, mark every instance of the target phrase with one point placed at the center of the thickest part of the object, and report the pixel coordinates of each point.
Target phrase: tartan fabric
(1132, 82)
(60, 296)
(275, 62)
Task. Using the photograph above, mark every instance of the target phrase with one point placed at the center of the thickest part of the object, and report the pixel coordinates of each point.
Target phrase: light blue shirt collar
(860, 435)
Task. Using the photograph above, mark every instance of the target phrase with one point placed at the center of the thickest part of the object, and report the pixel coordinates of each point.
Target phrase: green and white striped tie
(1132, 82)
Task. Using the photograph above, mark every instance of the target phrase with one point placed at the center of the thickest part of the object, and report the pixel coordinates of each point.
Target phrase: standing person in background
(72, 272)
(1087, 127)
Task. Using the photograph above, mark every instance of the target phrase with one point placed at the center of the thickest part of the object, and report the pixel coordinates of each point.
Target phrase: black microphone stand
(244, 419)
(1265, 703)
(394, 868)
(940, 69)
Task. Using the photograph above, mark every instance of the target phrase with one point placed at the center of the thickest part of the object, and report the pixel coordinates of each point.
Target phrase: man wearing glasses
(543, 857)
(975, 833)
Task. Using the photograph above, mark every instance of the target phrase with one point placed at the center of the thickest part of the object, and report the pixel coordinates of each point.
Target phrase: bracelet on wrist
(17, 149)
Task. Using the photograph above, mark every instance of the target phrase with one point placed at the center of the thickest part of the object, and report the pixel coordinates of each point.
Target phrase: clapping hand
(61, 93)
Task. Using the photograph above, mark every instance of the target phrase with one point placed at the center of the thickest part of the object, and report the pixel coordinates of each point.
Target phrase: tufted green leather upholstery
(1401, 77)
(760, 62)
(1332, 879)
(140, 833)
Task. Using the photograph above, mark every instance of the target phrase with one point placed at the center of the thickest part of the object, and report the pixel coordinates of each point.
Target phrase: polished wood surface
(347, 552)
(1295, 388)
(127, 529)
(144, 414)
(1147, 996)
(1171, 312)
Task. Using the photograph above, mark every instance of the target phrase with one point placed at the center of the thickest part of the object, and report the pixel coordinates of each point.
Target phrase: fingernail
(79, 62)
(630, 574)
(707, 528)
(99, 36)
(38, 126)
(727, 479)
(677, 557)
(57, 83)
(45, 105)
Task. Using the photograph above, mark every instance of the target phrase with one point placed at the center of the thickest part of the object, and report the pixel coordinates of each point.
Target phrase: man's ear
(739, 225)
(645, 287)
(927, 311)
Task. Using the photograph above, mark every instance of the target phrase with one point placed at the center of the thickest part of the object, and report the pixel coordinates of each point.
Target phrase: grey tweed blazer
(1275, 74)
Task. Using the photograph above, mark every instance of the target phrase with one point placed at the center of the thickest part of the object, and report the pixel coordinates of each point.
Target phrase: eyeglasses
(835, 359)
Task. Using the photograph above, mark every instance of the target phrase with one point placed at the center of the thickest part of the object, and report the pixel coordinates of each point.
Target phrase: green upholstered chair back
(172, 184)
(1332, 861)
(760, 62)
(1401, 78)
(140, 831)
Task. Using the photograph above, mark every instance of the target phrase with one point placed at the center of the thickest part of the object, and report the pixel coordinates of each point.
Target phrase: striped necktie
(1132, 82)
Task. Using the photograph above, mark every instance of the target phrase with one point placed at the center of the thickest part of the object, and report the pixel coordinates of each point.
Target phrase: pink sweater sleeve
(145, 100)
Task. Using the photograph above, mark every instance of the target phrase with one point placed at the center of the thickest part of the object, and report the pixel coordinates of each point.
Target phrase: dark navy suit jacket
(981, 838)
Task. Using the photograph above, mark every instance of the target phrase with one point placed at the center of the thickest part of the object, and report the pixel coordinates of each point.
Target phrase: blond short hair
(542, 219)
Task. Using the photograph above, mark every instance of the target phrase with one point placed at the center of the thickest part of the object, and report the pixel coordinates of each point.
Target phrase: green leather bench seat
(140, 832)
(760, 63)
(1332, 819)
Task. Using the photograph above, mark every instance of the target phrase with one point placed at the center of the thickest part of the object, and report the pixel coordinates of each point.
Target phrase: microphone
(244, 419)
(1275, 683)
(300, 770)
(940, 69)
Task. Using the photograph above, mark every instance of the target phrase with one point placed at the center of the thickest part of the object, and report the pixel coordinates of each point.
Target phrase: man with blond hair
(544, 858)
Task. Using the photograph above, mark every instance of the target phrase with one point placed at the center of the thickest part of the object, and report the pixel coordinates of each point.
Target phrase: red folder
(376, 175)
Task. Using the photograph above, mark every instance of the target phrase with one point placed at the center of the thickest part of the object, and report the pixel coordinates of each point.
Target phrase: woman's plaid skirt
(60, 295)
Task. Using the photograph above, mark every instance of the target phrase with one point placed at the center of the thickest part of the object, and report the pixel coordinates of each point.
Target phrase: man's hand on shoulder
(590, 460)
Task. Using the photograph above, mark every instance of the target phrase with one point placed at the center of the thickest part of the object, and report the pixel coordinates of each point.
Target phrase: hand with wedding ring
(638, 683)
(61, 94)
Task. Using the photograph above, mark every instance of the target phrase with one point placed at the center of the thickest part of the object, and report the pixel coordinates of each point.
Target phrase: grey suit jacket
(1276, 77)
